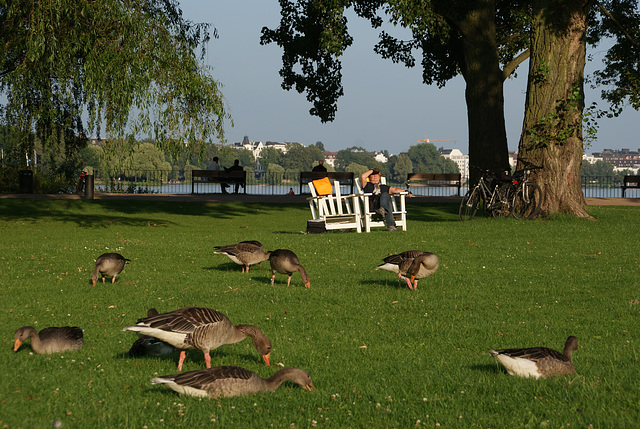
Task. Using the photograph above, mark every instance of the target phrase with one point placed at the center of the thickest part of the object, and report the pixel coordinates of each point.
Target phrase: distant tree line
(65, 165)
(603, 169)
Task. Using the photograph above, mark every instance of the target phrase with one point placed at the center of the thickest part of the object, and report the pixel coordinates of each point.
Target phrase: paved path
(276, 199)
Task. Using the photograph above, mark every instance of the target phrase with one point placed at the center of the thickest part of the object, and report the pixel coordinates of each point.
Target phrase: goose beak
(94, 282)
(16, 345)
(307, 284)
(266, 358)
(310, 387)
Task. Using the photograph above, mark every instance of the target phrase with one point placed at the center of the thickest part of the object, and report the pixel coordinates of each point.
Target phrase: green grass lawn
(379, 354)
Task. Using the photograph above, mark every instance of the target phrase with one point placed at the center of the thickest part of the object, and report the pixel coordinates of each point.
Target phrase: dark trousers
(385, 202)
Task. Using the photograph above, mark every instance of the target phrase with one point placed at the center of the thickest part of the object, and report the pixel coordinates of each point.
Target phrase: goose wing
(534, 354)
(65, 334)
(184, 320)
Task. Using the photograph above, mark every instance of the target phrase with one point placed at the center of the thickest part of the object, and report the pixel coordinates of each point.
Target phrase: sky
(385, 107)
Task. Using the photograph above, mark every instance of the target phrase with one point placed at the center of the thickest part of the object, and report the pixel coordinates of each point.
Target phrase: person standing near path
(381, 199)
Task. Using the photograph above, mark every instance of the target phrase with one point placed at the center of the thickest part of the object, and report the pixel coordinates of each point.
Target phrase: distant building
(459, 158)
(254, 147)
(623, 159)
(277, 145)
(330, 158)
(379, 156)
(590, 158)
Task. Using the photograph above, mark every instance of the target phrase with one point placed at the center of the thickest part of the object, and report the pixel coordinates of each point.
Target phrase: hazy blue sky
(385, 105)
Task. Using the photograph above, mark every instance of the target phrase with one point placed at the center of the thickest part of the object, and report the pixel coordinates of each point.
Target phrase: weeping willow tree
(113, 68)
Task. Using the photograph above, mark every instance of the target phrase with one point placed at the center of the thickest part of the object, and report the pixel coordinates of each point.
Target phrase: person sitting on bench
(235, 167)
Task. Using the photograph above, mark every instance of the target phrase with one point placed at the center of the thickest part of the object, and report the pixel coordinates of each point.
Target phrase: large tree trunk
(480, 67)
(552, 129)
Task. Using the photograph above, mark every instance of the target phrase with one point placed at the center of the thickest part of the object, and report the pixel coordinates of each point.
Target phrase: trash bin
(26, 182)
(88, 187)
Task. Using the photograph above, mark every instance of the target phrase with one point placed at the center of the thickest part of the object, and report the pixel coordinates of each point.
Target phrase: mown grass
(379, 354)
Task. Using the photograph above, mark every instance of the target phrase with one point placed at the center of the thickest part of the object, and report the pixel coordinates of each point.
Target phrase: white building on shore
(459, 158)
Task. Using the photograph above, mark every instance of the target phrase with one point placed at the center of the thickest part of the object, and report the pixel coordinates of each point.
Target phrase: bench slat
(342, 176)
(218, 176)
(434, 180)
(630, 182)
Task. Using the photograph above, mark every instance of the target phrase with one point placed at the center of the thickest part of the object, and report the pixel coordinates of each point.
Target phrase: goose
(200, 328)
(108, 264)
(411, 266)
(231, 381)
(50, 340)
(538, 362)
(150, 346)
(284, 261)
(245, 253)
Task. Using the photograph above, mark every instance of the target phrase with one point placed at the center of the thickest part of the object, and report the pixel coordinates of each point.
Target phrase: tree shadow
(110, 211)
(425, 212)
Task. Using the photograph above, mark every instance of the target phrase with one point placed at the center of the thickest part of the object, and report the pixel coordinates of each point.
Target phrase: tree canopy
(357, 155)
(424, 157)
(301, 158)
(129, 67)
(484, 41)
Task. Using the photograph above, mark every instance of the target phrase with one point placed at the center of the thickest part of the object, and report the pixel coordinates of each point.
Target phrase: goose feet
(407, 280)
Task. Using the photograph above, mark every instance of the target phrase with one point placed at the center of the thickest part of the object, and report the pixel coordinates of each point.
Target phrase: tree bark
(480, 67)
(552, 128)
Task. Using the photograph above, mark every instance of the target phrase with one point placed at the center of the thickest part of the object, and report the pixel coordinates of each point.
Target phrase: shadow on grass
(425, 212)
(487, 367)
(225, 267)
(391, 283)
(196, 357)
(102, 213)
(171, 356)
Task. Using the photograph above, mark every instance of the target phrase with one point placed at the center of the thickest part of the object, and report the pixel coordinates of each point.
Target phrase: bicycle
(528, 197)
(491, 193)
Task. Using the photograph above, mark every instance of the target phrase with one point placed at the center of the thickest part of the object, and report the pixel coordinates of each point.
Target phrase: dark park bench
(434, 180)
(219, 176)
(630, 182)
(343, 177)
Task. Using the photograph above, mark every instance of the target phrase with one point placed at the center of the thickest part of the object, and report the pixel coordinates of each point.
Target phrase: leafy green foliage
(620, 78)
(131, 65)
(316, 35)
(425, 158)
(402, 166)
(270, 156)
(357, 155)
(301, 158)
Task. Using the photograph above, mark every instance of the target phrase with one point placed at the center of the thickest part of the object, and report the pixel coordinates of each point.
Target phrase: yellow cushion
(323, 186)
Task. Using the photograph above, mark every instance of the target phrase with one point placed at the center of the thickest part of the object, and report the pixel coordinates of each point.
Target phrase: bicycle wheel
(469, 204)
(503, 201)
(526, 202)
